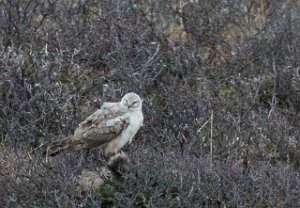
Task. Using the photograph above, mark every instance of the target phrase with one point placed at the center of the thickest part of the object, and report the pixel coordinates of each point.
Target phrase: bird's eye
(136, 104)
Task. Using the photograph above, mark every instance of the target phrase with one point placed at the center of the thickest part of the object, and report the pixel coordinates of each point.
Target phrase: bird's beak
(130, 105)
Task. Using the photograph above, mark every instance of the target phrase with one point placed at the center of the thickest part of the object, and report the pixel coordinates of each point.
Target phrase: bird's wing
(102, 126)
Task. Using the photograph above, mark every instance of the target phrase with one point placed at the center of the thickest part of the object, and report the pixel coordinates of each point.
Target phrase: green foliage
(228, 92)
(107, 193)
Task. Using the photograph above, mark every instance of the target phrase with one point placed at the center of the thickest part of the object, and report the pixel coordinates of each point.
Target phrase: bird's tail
(60, 145)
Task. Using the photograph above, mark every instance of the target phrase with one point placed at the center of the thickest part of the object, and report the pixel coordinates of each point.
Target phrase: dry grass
(60, 60)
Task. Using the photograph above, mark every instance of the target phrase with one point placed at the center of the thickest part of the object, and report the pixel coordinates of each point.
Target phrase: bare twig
(211, 137)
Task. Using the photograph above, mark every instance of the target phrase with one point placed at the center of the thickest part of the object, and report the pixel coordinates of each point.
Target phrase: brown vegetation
(221, 88)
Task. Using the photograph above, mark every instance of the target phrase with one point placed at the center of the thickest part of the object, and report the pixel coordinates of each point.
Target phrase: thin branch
(211, 137)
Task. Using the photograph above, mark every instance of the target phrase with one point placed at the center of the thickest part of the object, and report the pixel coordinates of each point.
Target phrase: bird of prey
(113, 125)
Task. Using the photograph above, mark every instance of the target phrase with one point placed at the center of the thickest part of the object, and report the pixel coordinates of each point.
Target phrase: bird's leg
(107, 156)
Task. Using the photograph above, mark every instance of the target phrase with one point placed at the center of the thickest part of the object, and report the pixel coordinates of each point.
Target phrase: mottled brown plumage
(113, 124)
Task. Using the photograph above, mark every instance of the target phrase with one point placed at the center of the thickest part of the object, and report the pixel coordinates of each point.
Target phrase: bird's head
(132, 101)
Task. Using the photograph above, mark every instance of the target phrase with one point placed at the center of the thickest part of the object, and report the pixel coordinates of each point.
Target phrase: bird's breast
(136, 120)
